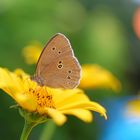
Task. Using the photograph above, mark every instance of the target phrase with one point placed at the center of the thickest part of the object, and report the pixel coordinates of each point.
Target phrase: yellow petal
(5, 77)
(85, 105)
(56, 115)
(68, 97)
(94, 76)
(20, 73)
(25, 101)
(84, 115)
(9, 82)
(14, 86)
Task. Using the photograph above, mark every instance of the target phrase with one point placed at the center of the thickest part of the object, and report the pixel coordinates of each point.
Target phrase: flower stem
(48, 131)
(28, 126)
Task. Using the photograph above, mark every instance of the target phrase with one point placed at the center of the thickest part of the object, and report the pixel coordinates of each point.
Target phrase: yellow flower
(49, 102)
(133, 108)
(94, 76)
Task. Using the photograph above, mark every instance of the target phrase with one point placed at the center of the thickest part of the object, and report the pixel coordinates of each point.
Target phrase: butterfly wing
(57, 66)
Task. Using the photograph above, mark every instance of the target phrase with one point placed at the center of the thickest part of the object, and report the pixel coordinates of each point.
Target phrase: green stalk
(31, 120)
(48, 131)
(28, 126)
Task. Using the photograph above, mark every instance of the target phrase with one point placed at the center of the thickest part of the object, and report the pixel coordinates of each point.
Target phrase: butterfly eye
(60, 66)
(53, 48)
(59, 52)
(69, 71)
(60, 62)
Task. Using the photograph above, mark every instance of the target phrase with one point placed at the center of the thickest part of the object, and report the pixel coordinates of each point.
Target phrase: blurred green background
(101, 32)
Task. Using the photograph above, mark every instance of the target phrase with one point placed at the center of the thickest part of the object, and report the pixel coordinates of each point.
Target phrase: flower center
(44, 99)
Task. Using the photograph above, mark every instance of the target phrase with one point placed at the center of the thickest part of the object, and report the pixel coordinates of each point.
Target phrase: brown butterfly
(57, 66)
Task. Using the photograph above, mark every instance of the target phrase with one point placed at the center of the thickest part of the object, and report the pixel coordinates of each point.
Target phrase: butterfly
(57, 66)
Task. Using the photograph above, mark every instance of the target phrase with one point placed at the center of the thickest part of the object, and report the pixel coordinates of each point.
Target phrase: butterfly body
(38, 79)
(57, 66)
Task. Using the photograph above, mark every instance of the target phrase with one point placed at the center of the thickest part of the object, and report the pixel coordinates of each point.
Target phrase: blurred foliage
(100, 32)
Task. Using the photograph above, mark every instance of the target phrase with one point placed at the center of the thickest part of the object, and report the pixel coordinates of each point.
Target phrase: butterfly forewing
(57, 66)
